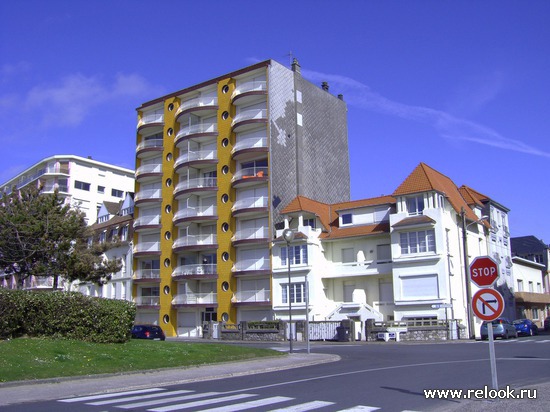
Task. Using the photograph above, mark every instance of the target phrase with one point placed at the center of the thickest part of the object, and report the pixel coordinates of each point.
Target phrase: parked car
(547, 323)
(502, 328)
(526, 327)
(148, 332)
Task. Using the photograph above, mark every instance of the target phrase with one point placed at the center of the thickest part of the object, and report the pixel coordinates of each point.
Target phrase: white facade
(85, 183)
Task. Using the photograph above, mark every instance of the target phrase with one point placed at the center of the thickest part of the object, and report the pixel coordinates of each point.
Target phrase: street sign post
(483, 271)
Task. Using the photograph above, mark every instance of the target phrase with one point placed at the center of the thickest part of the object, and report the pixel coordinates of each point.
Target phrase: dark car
(502, 328)
(147, 332)
(547, 323)
(526, 327)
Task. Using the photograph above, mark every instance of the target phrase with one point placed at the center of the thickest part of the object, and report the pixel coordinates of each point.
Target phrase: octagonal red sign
(483, 271)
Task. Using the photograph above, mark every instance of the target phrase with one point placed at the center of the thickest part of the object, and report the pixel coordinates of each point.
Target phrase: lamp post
(288, 235)
(469, 315)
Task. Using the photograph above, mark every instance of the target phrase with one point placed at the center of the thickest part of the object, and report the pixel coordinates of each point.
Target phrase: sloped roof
(304, 204)
(112, 207)
(414, 220)
(527, 244)
(361, 230)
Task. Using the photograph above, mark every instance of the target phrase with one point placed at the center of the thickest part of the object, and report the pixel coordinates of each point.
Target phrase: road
(369, 376)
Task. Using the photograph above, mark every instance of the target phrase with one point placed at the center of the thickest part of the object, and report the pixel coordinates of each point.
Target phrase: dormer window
(415, 205)
(310, 223)
(347, 219)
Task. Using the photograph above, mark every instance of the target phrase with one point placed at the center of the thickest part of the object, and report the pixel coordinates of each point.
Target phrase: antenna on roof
(290, 56)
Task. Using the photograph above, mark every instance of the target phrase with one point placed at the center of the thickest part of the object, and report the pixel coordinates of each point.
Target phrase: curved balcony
(196, 131)
(147, 249)
(249, 147)
(151, 120)
(251, 267)
(147, 275)
(205, 105)
(250, 176)
(196, 271)
(195, 214)
(148, 196)
(247, 119)
(195, 186)
(195, 243)
(248, 92)
(251, 206)
(251, 236)
(148, 301)
(146, 223)
(196, 158)
(208, 299)
(149, 147)
(149, 172)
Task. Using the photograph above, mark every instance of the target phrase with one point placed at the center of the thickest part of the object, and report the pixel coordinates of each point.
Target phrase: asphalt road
(367, 376)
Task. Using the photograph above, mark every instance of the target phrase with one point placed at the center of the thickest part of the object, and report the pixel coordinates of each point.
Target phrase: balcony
(52, 187)
(196, 271)
(196, 158)
(196, 131)
(146, 222)
(251, 206)
(250, 176)
(251, 267)
(149, 172)
(196, 299)
(195, 243)
(207, 105)
(148, 301)
(252, 297)
(147, 249)
(195, 214)
(147, 275)
(367, 268)
(149, 147)
(250, 236)
(195, 186)
(148, 196)
(249, 147)
(247, 119)
(249, 91)
(151, 120)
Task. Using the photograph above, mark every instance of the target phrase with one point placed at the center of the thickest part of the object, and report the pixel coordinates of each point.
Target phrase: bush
(64, 315)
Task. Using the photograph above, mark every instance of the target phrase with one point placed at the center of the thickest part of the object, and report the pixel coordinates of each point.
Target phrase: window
(298, 255)
(81, 185)
(535, 313)
(297, 292)
(102, 236)
(415, 205)
(347, 219)
(520, 285)
(420, 287)
(124, 233)
(117, 193)
(417, 242)
(383, 253)
(348, 255)
(310, 223)
(101, 189)
(531, 287)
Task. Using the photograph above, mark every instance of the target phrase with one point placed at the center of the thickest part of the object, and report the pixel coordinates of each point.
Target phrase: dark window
(81, 185)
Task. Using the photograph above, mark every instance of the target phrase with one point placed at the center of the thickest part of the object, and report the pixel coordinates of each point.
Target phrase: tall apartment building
(85, 183)
(216, 162)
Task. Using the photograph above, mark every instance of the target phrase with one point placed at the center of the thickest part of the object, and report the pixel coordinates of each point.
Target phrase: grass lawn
(40, 358)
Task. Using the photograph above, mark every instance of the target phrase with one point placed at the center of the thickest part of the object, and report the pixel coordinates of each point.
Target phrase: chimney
(341, 97)
(324, 85)
(295, 66)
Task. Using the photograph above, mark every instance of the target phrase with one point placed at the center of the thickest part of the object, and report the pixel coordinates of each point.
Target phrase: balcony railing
(56, 169)
(251, 203)
(196, 211)
(254, 233)
(251, 265)
(250, 172)
(151, 143)
(251, 114)
(196, 183)
(196, 155)
(252, 86)
(250, 143)
(195, 240)
(251, 296)
(195, 298)
(147, 274)
(148, 300)
(147, 221)
(195, 269)
(50, 188)
(147, 247)
(198, 102)
(148, 194)
(196, 129)
(151, 118)
(152, 168)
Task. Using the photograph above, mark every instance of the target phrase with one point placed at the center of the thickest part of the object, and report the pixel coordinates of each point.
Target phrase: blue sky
(460, 85)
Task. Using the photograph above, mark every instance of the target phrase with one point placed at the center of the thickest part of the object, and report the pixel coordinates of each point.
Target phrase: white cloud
(447, 126)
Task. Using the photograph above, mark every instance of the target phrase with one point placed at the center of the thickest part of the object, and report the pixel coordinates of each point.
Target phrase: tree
(41, 236)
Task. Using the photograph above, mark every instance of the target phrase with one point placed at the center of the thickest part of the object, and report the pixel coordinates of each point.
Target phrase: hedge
(69, 315)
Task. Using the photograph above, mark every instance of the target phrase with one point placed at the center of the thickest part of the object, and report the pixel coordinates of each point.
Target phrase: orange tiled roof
(362, 230)
(319, 209)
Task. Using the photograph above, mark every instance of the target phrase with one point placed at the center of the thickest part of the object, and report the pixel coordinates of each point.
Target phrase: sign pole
(492, 358)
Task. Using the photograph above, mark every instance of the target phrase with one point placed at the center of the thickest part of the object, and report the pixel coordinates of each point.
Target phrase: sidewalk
(50, 389)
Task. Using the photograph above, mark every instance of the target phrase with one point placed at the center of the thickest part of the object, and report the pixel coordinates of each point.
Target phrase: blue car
(526, 327)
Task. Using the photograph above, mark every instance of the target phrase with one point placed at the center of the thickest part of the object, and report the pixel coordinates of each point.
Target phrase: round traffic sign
(483, 271)
(487, 304)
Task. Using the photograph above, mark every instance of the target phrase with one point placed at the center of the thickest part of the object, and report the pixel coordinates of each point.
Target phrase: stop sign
(483, 271)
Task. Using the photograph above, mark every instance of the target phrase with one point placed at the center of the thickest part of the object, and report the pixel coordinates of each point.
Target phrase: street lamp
(288, 235)
(469, 315)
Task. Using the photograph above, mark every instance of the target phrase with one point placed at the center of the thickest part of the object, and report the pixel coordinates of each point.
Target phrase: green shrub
(64, 315)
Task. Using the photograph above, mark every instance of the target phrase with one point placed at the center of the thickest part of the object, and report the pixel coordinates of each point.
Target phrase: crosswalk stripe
(167, 400)
(109, 395)
(137, 397)
(360, 408)
(188, 405)
(303, 407)
(249, 405)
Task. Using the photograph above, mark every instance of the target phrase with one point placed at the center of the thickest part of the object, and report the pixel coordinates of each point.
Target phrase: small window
(347, 219)
(101, 189)
(82, 185)
(310, 223)
(117, 193)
